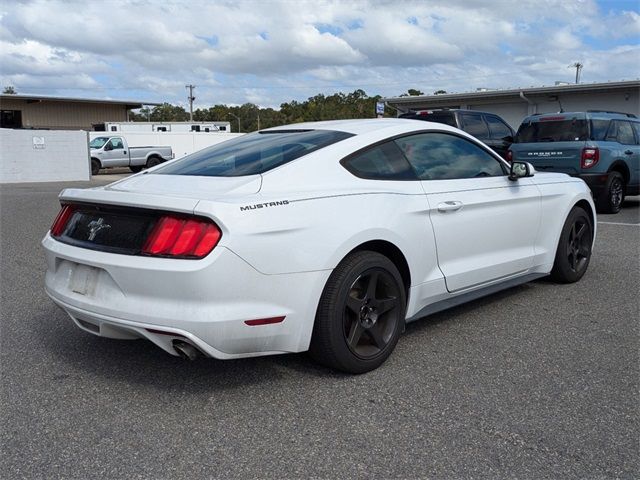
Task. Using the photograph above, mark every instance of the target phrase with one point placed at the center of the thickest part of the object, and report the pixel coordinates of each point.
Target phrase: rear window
(448, 118)
(253, 153)
(553, 129)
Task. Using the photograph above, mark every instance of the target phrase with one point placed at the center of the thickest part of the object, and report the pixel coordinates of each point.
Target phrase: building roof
(490, 94)
(49, 98)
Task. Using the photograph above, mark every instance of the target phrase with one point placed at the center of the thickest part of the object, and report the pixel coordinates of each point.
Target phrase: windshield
(98, 142)
(253, 153)
(552, 129)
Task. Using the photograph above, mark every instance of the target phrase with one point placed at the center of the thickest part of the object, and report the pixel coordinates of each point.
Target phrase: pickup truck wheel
(153, 161)
(135, 168)
(95, 166)
(611, 199)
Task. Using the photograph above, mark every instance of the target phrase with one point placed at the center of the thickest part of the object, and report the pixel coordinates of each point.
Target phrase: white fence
(182, 143)
(43, 156)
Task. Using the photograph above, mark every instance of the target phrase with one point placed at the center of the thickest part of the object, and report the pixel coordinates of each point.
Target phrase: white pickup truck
(113, 151)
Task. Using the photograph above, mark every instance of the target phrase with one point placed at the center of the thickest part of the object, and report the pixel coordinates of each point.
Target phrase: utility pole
(578, 66)
(191, 98)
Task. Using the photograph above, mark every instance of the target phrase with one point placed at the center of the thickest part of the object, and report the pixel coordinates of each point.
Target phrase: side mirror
(521, 170)
(507, 139)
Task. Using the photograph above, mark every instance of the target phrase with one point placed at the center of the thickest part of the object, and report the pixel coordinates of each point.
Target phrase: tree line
(250, 117)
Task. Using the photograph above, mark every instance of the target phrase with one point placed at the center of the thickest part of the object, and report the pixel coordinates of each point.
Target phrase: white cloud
(268, 52)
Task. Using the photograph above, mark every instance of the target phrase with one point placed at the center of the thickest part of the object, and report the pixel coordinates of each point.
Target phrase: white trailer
(175, 127)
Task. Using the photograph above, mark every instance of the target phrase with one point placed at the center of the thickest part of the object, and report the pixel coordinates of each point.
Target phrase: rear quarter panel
(292, 232)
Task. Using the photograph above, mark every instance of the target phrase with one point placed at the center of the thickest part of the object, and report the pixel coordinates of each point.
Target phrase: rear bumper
(597, 182)
(204, 301)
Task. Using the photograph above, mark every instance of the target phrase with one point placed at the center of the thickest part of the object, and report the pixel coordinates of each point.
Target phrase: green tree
(356, 104)
(169, 113)
(412, 92)
(9, 90)
(440, 92)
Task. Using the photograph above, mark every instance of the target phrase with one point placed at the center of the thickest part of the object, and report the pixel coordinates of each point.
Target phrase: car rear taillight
(182, 237)
(61, 220)
(589, 157)
(509, 156)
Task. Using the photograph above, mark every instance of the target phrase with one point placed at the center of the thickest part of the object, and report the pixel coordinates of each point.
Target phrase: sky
(268, 52)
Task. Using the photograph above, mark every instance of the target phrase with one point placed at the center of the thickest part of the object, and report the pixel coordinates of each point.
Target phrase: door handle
(449, 206)
(125, 152)
(628, 152)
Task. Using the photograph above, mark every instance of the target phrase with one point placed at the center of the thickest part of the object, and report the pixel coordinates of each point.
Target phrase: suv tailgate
(553, 156)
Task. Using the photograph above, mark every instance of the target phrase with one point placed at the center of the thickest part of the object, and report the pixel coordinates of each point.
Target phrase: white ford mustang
(324, 236)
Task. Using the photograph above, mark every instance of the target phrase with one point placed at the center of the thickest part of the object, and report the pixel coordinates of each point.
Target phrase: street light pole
(191, 98)
(238, 118)
(578, 66)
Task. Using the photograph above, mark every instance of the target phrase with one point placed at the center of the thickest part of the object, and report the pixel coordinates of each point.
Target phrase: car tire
(95, 166)
(135, 168)
(153, 161)
(574, 247)
(360, 315)
(613, 194)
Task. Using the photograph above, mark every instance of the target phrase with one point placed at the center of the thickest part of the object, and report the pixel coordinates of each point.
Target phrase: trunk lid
(187, 186)
(118, 218)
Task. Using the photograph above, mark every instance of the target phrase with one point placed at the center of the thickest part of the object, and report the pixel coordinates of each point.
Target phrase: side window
(382, 162)
(625, 133)
(636, 127)
(473, 124)
(442, 156)
(621, 132)
(498, 128)
(599, 129)
(116, 143)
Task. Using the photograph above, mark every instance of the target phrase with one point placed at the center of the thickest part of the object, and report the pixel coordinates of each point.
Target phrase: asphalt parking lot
(539, 381)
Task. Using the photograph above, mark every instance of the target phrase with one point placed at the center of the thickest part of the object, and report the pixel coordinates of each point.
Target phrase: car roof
(606, 115)
(450, 110)
(365, 125)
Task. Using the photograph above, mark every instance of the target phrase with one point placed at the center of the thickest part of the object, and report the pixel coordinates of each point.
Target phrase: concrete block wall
(43, 156)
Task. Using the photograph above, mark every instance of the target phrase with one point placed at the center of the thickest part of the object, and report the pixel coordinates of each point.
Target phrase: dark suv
(487, 127)
(602, 148)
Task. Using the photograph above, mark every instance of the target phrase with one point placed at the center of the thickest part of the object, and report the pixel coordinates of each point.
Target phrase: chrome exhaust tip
(186, 350)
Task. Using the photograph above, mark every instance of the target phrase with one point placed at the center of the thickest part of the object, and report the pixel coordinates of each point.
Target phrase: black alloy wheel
(613, 196)
(360, 315)
(371, 313)
(574, 248)
(616, 193)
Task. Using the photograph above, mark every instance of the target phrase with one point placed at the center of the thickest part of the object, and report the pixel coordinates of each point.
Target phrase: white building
(515, 104)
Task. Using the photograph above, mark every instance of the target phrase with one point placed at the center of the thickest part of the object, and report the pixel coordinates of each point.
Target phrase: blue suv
(602, 148)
